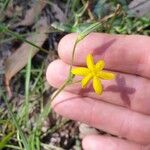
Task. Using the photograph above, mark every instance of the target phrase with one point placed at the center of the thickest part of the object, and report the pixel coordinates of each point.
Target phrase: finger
(121, 52)
(126, 90)
(93, 142)
(107, 117)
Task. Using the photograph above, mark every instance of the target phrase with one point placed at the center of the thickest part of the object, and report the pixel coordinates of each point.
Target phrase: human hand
(123, 109)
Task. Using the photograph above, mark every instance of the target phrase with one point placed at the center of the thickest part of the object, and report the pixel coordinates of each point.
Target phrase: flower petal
(100, 65)
(85, 80)
(81, 71)
(90, 62)
(97, 85)
(106, 75)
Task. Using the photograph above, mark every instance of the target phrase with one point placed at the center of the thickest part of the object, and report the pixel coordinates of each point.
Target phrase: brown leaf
(59, 14)
(140, 8)
(20, 57)
(32, 13)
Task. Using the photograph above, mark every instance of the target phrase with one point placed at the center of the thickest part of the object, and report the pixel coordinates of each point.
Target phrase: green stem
(68, 81)
(60, 89)
(15, 121)
(72, 58)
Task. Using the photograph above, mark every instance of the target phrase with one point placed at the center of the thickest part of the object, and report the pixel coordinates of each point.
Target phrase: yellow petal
(106, 75)
(90, 62)
(97, 85)
(85, 80)
(100, 65)
(81, 71)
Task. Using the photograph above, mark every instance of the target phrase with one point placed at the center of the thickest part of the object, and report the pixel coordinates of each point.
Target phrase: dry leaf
(140, 8)
(32, 13)
(59, 14)
(20, 57)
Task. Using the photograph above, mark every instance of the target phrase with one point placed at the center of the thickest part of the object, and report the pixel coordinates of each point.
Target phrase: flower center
(94, 72)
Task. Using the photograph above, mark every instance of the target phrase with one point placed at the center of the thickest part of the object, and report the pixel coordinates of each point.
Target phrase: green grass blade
(15, 122)
(38, 77)
(88, 30)
(6, 3)
(6, 139)
(5, 29)
(13, 147)
(27, 86)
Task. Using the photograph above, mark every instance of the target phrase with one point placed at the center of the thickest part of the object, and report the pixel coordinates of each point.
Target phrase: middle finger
(126, 90)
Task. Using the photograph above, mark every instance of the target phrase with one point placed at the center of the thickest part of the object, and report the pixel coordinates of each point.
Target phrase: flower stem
(59, 89)
(72, 58)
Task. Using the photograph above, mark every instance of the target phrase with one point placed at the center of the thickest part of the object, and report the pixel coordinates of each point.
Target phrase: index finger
(124, 53)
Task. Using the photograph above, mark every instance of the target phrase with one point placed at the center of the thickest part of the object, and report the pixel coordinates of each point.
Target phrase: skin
(124, 107)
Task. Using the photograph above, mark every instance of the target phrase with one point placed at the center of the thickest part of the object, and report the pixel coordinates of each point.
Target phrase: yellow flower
(93, 72)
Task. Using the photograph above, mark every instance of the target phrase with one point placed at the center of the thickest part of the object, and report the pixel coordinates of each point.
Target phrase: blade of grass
(15, 122)
(6, 2)
(6, 139)
(50, 147)
(5, 29)
(13, 147)
(27, 87)
(37, 142)
(3, 8)
(19, 140)
(31, 139)
(47, 108)
(38, 77)
(12, 38)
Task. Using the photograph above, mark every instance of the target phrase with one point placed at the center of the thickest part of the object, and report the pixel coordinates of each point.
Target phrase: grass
(5, 29)
(26, 121)
(15, 122)
(27, 87)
